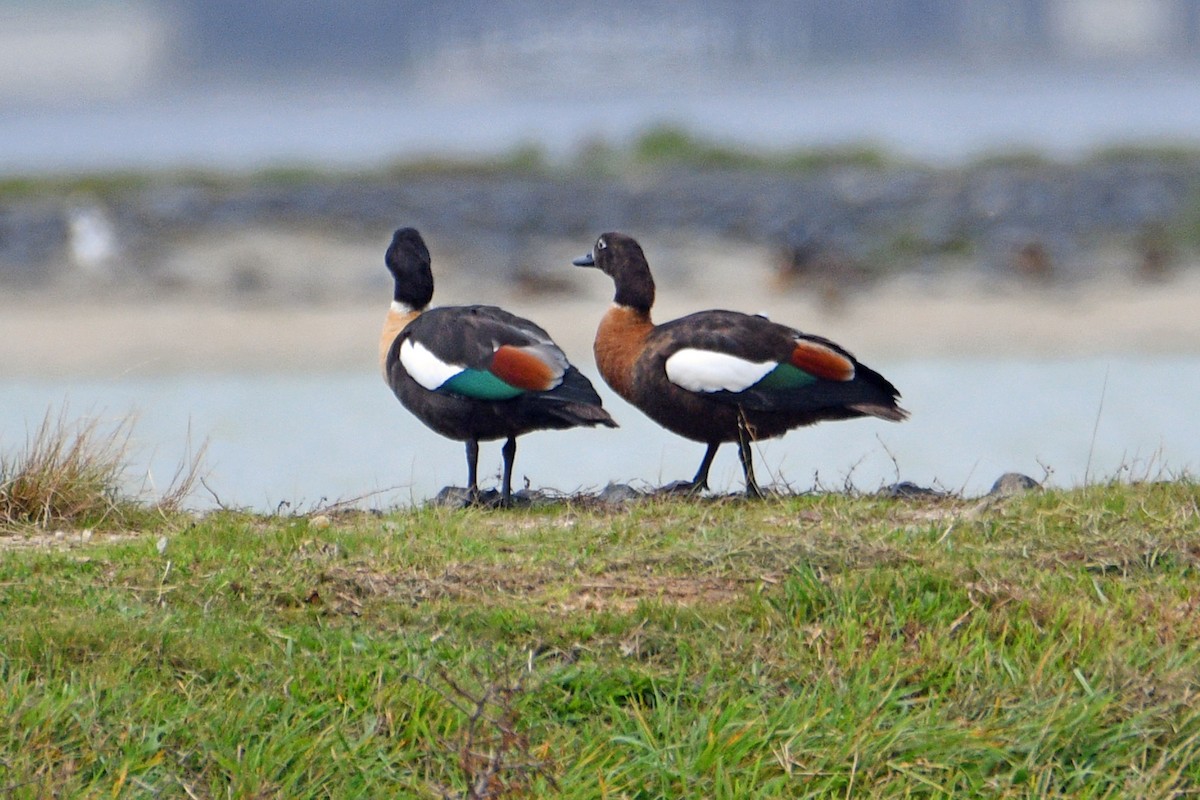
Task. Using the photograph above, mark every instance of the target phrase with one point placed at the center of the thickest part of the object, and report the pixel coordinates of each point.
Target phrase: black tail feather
(573, 401)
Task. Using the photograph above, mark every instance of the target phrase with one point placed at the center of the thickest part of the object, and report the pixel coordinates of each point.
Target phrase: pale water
(307, 440)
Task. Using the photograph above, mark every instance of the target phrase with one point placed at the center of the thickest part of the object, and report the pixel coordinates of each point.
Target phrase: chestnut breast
(620, 340)
(393, 323)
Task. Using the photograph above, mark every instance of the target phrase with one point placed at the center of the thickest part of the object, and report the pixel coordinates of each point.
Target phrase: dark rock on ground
(908, 489)
(618, 494)
(1011, 483)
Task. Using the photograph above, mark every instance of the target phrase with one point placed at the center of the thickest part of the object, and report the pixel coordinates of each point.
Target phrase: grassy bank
(810, 646)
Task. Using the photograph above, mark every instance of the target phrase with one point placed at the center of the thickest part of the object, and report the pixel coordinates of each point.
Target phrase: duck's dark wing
(479, 352)
(763, 366)
(487, 354)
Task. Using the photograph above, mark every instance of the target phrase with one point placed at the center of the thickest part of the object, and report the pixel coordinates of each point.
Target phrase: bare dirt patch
(617, 591)
(37, 539)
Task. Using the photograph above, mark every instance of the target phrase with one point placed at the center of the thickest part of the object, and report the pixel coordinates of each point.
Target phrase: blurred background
(90, 84)
(996, 204)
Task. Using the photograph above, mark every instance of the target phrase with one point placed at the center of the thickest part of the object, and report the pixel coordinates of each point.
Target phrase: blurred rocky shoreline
(833, 227)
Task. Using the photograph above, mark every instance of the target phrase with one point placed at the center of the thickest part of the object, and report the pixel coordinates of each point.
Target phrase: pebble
(1012, 483)
(618, 494)
(908, 489)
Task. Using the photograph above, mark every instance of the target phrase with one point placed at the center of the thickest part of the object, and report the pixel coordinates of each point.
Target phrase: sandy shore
(50, 335)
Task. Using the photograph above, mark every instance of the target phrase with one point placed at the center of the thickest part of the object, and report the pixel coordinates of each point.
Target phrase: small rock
(907, 489)
(451, 497)
(161, 545)
(460, 497)
(320, 522)
(618, 493)
(1011, 483)
(526, 498)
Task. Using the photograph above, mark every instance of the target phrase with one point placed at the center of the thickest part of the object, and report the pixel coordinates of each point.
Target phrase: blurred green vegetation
(662, 146)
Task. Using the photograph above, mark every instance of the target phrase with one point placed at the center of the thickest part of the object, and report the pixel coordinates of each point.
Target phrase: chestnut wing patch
(534, 368)
(822, 361)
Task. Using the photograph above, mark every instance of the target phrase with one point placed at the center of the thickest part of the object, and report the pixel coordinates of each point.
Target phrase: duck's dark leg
(509, 451)
(473, 469)
(747, 457)
(700, 482)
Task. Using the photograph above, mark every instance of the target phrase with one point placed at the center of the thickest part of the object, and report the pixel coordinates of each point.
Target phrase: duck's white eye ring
(601, 244)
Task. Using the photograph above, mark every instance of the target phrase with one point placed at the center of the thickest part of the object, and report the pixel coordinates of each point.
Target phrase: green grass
(665, 145)
(662, 146)
(814, 646)
(674, 147)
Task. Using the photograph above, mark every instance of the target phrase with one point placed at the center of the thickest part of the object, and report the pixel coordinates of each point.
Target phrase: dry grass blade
(73, 472)
(187, 476)
(65, 471)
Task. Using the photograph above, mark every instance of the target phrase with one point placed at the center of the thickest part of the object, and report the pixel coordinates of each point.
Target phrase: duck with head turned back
(475, 373)
(723, 376)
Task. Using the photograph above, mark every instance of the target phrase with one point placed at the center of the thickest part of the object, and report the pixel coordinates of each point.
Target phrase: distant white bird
(91, 237)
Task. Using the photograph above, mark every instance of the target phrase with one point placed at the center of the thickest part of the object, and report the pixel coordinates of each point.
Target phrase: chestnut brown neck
(619, 341)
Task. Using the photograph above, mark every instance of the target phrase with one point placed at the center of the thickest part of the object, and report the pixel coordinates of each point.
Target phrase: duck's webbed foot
(462, 497)
(755, 492)
(696, 485)
(683, 489)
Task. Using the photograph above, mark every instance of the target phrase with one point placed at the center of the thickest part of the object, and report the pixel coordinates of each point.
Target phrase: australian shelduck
(722, 376)
(475, 373)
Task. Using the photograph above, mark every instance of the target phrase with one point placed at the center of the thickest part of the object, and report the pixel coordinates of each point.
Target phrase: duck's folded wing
(473, 352)
(799, 373)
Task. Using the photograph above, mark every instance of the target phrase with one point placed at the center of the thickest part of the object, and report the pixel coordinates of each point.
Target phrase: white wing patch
(710, 371)
(424, 367)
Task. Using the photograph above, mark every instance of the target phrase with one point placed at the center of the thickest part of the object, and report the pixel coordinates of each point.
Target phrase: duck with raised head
(475, 373)
(722, 376)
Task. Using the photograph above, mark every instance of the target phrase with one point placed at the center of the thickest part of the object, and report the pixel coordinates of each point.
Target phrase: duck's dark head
(408, 260)
(621, 258)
